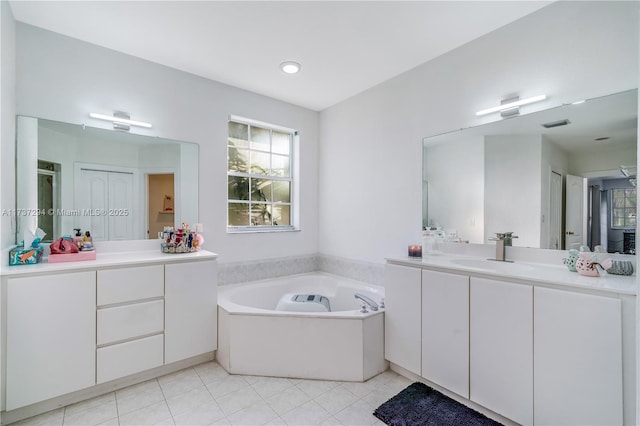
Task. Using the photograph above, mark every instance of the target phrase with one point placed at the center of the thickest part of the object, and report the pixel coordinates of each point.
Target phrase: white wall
(455, 175)
(63, 79)
(370, 156)
(580, 164)
(513, 184)
(7, 120)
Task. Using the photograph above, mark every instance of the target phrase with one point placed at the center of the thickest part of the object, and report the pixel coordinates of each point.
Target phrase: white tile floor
(208, 395)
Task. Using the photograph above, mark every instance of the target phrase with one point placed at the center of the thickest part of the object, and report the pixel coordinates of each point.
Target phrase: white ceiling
(345, 47)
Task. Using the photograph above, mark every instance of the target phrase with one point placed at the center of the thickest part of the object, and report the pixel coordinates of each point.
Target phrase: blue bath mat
(420, 405)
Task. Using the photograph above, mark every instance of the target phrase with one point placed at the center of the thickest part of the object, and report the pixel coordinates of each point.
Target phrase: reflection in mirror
(559, 178)
(117, 185)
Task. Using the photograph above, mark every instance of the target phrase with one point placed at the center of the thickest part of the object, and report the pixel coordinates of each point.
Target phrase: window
(623, 208)
(259, 176)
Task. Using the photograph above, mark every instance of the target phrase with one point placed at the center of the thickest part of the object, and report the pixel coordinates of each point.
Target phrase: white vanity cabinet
(50, 336)
(76, 330)
(578, 358)
(191, 310)
(445, 330)
(542, 347)
(402, 323)
(501, 348)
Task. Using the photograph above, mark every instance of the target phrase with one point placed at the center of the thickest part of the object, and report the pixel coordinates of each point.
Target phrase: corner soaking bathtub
(256, 339)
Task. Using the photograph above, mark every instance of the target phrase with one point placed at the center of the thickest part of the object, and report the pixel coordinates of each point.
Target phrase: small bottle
(87, 241)
(428, 241)
(77, 239)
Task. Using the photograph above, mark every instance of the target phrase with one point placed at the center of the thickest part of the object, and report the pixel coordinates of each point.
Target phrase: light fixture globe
(290, 67)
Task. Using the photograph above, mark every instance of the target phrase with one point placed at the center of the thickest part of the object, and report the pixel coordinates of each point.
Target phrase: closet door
(91, 196)
(120, 205)
(104, 200)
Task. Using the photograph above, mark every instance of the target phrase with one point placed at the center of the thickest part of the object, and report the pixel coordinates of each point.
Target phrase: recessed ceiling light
(290, 67)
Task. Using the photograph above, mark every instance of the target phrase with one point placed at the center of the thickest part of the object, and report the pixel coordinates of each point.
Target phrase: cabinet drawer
(128, 321)
(128, 358)
(128, 284)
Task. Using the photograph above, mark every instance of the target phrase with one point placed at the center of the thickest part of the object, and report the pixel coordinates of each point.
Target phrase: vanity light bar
(512, 105)
(116, 119)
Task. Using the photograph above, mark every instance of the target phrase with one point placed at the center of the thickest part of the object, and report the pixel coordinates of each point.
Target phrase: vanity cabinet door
(191, 310)
(501, 348)
(51, 336)
(402, 322)
(578, 359)
(445, 330)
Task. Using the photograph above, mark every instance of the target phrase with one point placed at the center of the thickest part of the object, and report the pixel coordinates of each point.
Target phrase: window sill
(257, 230)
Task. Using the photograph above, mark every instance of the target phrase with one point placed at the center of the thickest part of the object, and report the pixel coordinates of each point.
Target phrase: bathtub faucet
(372, 305)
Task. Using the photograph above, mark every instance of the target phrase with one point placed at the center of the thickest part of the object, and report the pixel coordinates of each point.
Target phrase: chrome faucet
(503, 239)
(372, 305)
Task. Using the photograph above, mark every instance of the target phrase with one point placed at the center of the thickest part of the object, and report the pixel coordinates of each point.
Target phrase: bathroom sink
(492, 265)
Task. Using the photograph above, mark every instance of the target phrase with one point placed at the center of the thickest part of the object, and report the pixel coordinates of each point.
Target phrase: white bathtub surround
(341, 345)
(253, 270)
(355, 269)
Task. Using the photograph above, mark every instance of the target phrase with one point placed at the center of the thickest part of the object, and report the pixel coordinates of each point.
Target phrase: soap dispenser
(77, 238)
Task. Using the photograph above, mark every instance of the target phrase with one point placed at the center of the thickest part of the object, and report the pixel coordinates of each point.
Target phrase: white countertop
(108, 259)
(534, 273)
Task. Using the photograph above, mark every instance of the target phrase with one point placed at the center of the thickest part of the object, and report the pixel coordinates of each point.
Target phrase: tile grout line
(210, 394)
(165, 397)
(366, 395)
(165, 401)
(115, 396)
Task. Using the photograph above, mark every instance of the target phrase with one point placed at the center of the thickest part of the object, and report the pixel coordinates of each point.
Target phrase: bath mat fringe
(420, 405)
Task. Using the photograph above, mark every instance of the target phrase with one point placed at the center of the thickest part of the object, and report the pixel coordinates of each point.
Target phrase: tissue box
(21, 256)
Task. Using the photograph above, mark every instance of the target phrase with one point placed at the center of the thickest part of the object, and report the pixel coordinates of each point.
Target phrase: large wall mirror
(559, 178)
(117, 185)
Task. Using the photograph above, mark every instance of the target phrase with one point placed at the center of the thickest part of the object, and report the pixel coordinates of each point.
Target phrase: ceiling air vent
(556, 123)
